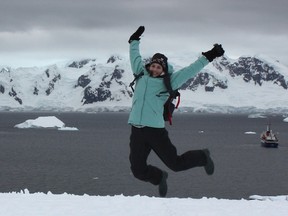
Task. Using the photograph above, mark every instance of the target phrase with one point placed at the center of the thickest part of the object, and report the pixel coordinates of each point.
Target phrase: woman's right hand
(136, 35)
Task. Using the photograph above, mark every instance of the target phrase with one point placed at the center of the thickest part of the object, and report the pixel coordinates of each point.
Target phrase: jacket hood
(170, 69)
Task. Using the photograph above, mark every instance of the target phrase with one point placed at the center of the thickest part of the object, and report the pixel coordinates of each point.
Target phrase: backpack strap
(136, 77)
(167, 82)
(169, 106)
(178, 102)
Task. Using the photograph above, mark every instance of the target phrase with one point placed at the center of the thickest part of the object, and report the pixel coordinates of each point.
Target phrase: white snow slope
(14, 204)
(55, 88)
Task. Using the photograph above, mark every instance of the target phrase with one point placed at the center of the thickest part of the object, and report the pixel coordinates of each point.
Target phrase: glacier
(248, 84)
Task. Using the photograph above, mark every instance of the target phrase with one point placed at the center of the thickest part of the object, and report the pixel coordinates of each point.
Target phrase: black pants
(143, 140)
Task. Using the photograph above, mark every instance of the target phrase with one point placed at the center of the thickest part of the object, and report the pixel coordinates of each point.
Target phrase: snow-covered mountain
(247, 84)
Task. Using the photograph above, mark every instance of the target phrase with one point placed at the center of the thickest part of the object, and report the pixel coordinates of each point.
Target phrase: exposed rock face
(252, 69)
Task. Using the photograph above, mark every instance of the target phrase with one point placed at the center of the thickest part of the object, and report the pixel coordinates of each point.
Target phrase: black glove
(217, 51)
(136, 35)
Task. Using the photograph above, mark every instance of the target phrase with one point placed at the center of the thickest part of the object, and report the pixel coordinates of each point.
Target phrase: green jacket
(149, 99)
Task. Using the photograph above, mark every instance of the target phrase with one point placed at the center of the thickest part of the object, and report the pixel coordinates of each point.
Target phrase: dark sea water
(94, 160)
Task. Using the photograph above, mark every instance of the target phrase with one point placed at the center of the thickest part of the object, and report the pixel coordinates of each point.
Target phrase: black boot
(163, 184)
(209, 167)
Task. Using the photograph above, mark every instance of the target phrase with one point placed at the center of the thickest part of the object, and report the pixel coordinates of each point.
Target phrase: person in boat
(146, 117)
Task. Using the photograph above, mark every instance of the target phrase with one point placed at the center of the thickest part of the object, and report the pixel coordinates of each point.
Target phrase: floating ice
(68, 129)
(256, 116)
(45, 122)
(42, 122)
(250, 132)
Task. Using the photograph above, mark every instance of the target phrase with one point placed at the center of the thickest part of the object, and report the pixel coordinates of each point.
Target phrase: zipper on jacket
(144, 98)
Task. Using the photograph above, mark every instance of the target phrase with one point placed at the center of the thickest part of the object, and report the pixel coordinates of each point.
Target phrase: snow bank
(41, 204)
(286, 119)
(44, 122)
(271, 198)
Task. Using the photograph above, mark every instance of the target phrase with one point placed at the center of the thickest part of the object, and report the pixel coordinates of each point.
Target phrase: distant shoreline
(208, 109)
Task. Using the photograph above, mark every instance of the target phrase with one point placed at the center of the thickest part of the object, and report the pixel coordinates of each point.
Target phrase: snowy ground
(13, 204)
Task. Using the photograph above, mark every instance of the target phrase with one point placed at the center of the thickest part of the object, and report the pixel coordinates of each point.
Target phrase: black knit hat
(160, 59)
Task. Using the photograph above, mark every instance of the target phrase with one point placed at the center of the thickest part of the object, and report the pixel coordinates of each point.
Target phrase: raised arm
(135, 57)
(182, 76)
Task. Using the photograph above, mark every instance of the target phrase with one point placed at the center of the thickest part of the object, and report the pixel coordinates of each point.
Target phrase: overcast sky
(41, 32)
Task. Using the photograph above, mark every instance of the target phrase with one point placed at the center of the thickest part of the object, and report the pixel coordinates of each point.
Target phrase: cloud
(72, 28)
